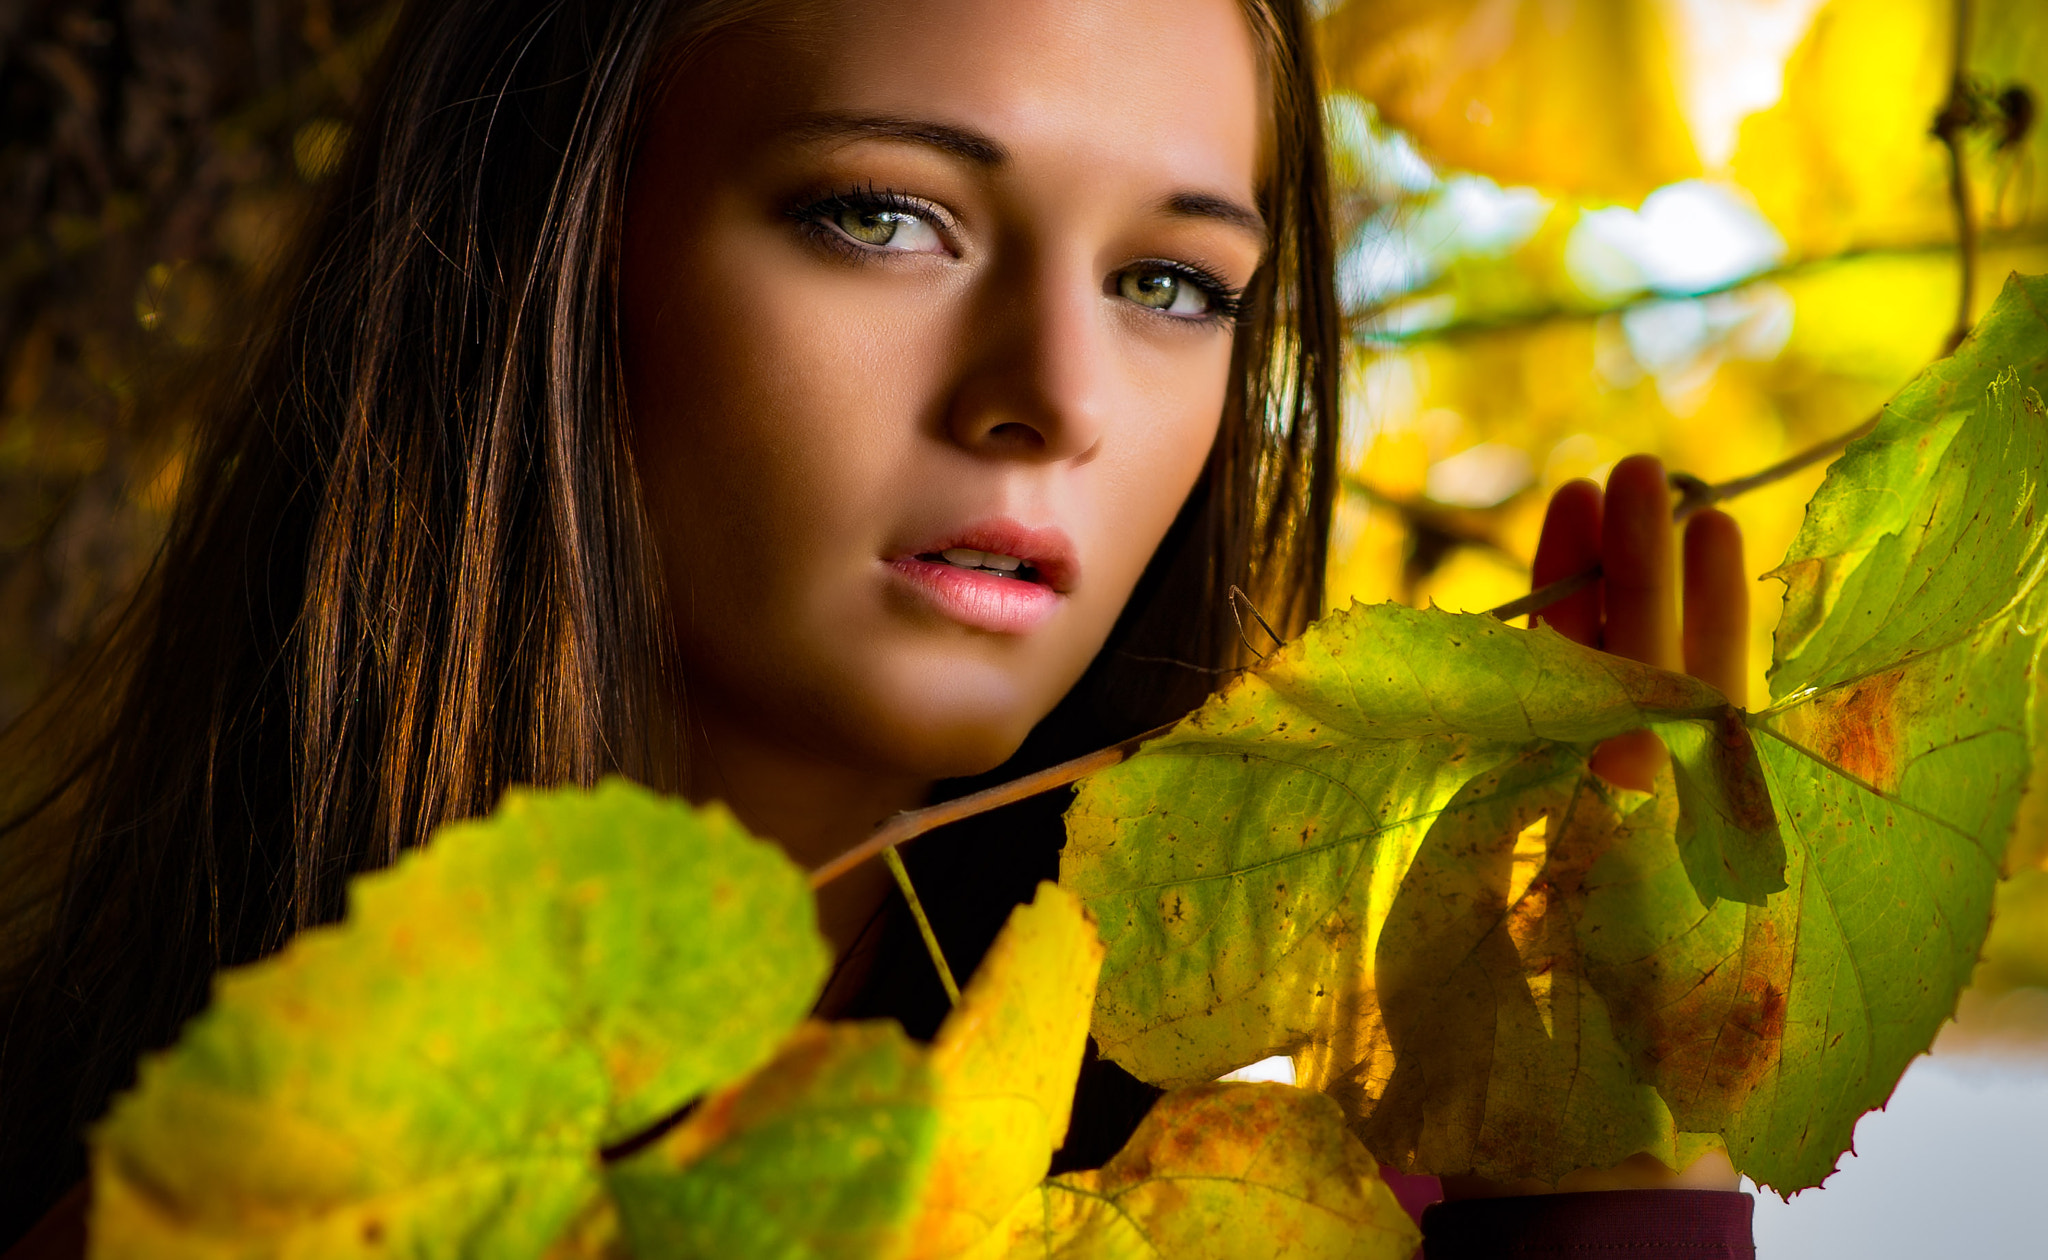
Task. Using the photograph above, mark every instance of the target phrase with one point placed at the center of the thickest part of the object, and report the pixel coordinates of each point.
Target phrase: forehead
(1167, 88)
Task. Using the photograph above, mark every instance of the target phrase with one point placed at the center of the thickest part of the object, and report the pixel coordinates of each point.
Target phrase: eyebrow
(1199, 205)
(986, 151)
(961, 142)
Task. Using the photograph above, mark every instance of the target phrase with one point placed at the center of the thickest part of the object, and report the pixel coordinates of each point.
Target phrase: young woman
(808, 404)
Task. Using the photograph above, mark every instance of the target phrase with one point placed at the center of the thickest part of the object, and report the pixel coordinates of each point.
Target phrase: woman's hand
(1634, 611)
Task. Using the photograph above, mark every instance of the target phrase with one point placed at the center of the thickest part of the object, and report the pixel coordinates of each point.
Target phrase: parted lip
(1045, 548)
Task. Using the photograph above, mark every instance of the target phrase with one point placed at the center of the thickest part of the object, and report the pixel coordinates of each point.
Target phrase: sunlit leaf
(438, 1073)
(1218, 1172)
(823, 1154)
(1324, 862)
(1381, 851)
(1006, 1062)
(1573, 95)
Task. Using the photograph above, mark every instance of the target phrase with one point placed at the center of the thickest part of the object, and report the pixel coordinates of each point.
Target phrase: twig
(1236, 594)
(913, 823)
(1695, 495)
(1957, 116)
(894, 861)
(1544, 596)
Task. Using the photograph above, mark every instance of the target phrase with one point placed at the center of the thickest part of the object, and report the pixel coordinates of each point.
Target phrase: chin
(950, 723)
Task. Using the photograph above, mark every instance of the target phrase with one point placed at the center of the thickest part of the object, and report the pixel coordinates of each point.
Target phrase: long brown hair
(409, 565)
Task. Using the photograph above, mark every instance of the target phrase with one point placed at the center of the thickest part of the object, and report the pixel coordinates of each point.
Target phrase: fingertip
(1569, 545)
(1711, 532)
(1639, 476)
(1716, 631)
(1636, 555)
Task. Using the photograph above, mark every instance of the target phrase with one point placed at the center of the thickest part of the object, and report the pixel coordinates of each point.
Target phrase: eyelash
(1226, 301)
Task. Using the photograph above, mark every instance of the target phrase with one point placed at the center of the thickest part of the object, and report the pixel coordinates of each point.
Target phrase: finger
(1641, 593)
(1570, 544)
(1641, 602)
(1717, 604)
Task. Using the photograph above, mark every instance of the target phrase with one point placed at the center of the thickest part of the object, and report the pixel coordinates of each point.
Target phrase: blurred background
(1721, 231)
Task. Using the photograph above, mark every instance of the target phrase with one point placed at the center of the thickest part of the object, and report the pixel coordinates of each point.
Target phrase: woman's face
(926, 317)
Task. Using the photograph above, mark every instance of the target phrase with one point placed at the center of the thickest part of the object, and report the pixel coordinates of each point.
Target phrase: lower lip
(980, 600)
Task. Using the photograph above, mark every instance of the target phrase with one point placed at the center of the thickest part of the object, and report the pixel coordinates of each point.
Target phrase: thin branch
(894, 861)
(913, 823)
(1957, 116)
(1236, 594)
(1544, 596)
(1509, 321)
(1695, 495)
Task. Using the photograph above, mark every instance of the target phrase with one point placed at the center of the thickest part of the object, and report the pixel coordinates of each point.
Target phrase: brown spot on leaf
(1855, 728)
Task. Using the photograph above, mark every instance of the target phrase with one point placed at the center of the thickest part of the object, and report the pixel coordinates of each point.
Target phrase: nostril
(1017, 436)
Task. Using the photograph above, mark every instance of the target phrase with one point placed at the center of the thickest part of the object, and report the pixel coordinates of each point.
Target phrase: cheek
(1161, 457)
(768, 409)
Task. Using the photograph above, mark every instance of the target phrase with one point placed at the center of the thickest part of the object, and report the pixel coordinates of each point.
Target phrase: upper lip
(1045, 548)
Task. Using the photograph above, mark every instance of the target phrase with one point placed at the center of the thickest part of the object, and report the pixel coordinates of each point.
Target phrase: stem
(1950, 125)
(913, 823)
(1694, 496)
(894, 860)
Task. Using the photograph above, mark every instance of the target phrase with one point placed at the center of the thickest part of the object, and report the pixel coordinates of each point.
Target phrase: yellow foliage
(1218, 1172)
(1845, 159)
(1006, 1061)
(1574, 95)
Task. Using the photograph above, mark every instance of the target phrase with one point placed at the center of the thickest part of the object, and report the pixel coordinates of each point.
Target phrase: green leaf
(438, 1073)
(1323, 862)
(1234, 862)
(1382, 852)
(1904, 731)
(823, 1154)
(1218, 1172)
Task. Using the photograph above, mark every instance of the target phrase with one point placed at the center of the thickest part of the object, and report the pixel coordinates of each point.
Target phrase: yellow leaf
(1217, 1172)
(1006, 1062)
(1845, 158)
(1571, 95)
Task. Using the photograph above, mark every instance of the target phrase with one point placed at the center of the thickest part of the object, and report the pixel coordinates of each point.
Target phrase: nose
(1038, 380)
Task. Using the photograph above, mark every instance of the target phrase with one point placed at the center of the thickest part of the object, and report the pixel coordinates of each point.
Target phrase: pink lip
(984, 601)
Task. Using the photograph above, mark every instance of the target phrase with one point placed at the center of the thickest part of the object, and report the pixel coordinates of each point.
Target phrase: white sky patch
(1951, 1167)
(1731, 63)
(1688, 237)
(1278, 1068)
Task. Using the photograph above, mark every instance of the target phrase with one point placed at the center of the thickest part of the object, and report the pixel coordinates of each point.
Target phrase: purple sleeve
(1598, 1225)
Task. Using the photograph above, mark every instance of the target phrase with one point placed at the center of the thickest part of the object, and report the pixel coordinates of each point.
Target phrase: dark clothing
(1598, 1225)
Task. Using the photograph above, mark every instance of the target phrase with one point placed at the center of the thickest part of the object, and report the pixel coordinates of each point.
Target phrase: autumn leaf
(1381, 851)
(1307, 863)
(1908, 659)
(1218, 1172)
(1570, 95)
(1006, 1062)
(823, 1154)
(438, 1073)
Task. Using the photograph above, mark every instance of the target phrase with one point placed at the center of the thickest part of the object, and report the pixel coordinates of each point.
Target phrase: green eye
(1164, 291)
(870, 227)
